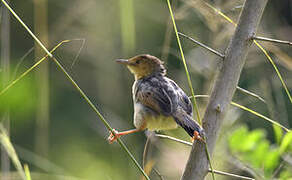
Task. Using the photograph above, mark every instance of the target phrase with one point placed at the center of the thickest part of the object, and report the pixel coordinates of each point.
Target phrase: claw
(197, 137)
(113, 137)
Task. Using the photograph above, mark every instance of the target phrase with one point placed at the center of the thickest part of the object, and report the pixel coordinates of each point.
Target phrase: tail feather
(189, 125)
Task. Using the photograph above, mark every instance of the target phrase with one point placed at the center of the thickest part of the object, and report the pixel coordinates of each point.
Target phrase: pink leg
(113, 137)
(197, 137)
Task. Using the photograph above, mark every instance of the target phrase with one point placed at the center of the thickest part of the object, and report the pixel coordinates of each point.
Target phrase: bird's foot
(113, 136)
(197, 137)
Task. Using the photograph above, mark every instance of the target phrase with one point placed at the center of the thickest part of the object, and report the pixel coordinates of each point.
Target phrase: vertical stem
(42, 77)
(5, 65)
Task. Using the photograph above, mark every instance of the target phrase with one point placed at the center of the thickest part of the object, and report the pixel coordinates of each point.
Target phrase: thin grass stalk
(275, 68)
(6, 143)
(78, 89)
(189, 82)
(27, 172)
(4, 90)
(260, 115)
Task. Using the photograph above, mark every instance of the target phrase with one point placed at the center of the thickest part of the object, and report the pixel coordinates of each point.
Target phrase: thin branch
(145, 152)
(287, 158)
(20, 62)
(231, 175)
(250, 93)
(245, 167)
(271, 40)
(78, 53)
(174, 139)
(202, 45)
(158, 174)
(275, 173)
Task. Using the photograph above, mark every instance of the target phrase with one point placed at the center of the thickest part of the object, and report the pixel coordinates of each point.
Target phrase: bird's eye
(138, 61)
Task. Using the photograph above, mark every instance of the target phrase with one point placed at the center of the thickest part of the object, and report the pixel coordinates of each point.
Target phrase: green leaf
(278, 133)
(236, 139)
(252, 139)
(259, 154)
(271, 161)
(287, 140)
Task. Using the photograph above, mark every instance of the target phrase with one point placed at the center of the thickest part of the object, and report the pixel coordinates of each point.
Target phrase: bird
(159, 103)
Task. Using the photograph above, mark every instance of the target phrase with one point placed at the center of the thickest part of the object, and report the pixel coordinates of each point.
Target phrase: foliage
(253, 148)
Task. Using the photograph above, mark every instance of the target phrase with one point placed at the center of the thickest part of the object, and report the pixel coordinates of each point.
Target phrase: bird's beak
(123, 61)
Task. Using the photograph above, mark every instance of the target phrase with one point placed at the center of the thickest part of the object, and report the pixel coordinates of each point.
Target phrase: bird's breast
(149, 119)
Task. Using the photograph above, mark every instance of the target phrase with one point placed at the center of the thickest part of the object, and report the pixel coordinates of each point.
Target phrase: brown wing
(183, 100)
(155, 98)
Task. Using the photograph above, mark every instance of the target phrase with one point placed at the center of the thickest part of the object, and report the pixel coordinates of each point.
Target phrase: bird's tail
(189, 125)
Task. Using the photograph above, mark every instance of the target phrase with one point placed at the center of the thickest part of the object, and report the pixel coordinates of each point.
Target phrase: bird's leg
(197, 137)
(117, 134)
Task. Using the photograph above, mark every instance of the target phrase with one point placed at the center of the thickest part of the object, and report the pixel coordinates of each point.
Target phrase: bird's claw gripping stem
(197, 137)
(113, 137)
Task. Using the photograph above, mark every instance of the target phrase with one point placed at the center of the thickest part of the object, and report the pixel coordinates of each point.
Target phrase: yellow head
(144, 65)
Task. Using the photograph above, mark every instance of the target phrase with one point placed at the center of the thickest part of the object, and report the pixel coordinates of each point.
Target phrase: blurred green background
(59, 136)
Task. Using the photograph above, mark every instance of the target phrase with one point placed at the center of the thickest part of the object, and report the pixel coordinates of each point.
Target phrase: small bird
(159, 103)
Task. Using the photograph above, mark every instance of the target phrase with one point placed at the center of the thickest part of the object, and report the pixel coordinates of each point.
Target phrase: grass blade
(6, 143)
(27, 173)
(276, 69)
